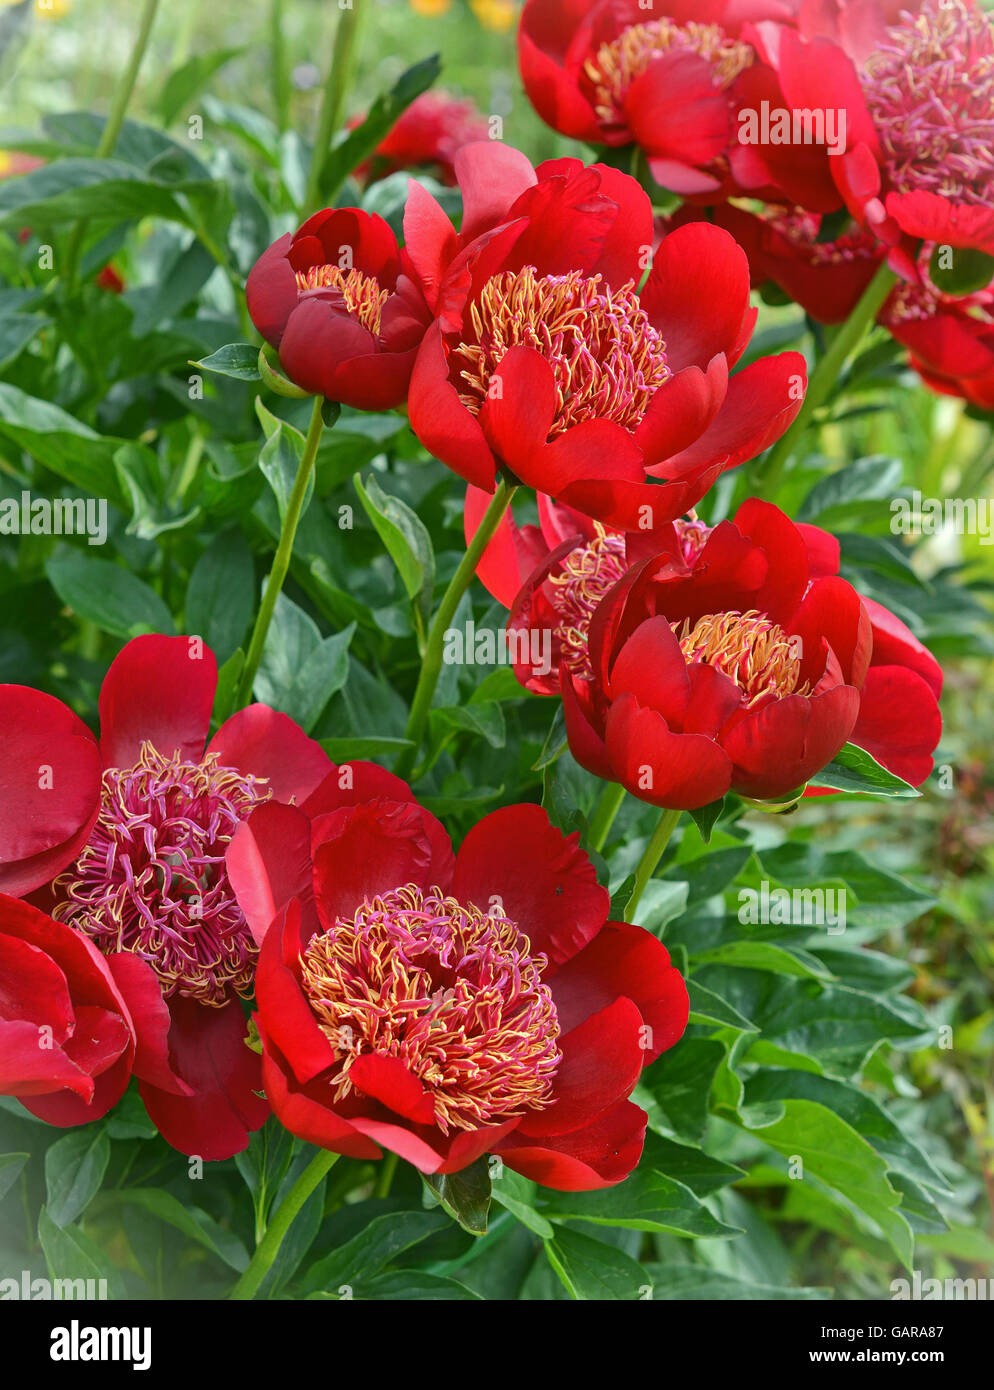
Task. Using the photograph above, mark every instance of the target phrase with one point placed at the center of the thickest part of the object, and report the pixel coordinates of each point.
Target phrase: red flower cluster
(426, 137)
(445, 1006)
(127, 838)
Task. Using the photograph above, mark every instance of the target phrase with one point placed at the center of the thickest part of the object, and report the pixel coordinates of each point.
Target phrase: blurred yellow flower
(431, 7)
(498, 15)
(44, 9)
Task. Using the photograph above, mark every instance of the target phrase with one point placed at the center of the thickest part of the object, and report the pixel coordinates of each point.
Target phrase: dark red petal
(601, 1155)
(208, 1051)
(63, 1108)
(831, 612)
(33, 989)
(894, 644)
(652, 667)
(585, 741)
(150, 1021)
(387, 1080)
(28, 1069)
(440, 420)
(512, 554)
(305, 1116)
(698, 327)
(675, 110)
(271, 290)
(542, 879)
(625, 961)
(899, 722)
(682, 410)
(491, 177)
(518, 413)
(269, 862)
(823, 550)
(361, 851)
(673, 770)
(778, 748)
(430, 239)
(284, 1010)
(159, 690)
(266, 743)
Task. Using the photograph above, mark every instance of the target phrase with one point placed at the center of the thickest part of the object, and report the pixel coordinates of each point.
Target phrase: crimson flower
(73, 1023)
(739, 673)
(426, 136)
(337, 299)
(668, 77)
(546, 360)
(130, 834)
(445, 1006)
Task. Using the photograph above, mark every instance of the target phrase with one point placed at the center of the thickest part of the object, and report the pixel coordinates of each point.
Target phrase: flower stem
(653, 853)
(281, 83)
(269, 1247)
(281, 560)
(826, 374)
(384, 1180)
(332, 100)
(603, 818)
(115, 120)
(431, 663)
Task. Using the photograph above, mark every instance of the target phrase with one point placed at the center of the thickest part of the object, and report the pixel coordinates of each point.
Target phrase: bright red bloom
(427, 137)
(739, 673)
(670, 80)
(950, 338)
(133, 832)
(338, 301)
(445, 1006)
(545, 360)
(74, 1024)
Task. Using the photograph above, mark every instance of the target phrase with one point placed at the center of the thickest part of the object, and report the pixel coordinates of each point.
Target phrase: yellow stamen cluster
(361, 294)
(586, 575)
(749, 648)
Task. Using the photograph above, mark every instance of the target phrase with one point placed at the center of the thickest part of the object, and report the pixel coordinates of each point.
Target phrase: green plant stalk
(284, 552)
(332, 100)
(431, 662)
(115, 120)
(603, 818)
(281, 84)
(269, 1247)
(826, 374)
(384, 1180)
(653, 853)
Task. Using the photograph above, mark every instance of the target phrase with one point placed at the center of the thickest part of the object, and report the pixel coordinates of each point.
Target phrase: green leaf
(11, 1167)
(485, 720)
(279, 459)
(971, 270)
(190, 1220)
(697, 1283)
(238, 360)
(378, 1245)
(840, 1159)
(189, 79)
(406, 540)
(590, 1269)
(854, 770)
(679, 1083)
(70, 1254)
(105, 189)
(344, 750)
(62, 443)
(645, 1201)
(384, 113)
(414, 1284)
(464, 1195)
(105, 594)
(519, 1196)
(16, 331)
(705, 817)
(301, 670)
(219, 597)
(74, 1169)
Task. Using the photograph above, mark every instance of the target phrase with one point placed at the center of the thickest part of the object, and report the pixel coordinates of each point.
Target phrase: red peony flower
(668, 77)
(137, 855)
(441, 1006)
(338, 301)
(427, 137)
(74, 1024)
(916, 88)
(626, 411)
(740, 672)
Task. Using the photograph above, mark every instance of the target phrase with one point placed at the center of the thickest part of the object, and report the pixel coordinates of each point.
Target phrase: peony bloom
(131, 833)
(546, 360)
(426, 136)
(445, 1006)
(741, 672)
(73, 1023)
(336, 298)
(668, 77)
(916, 87)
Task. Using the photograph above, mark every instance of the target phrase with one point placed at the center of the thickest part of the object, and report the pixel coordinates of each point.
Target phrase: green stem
(827, 372)
(384, 1180)
(268, 1248)
(431, 663)
(332, 100)
(115, 120)
(653, 853)
(281, 83)
(284, 551)
(603, 818)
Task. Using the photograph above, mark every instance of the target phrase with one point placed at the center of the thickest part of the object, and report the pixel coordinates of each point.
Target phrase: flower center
(618, 63)
(749, 648)
(586, 575)
(607, 359)
(802, 229)
(455, 994)
(930, 91)
(361, 296)
(692, 533)
(152, 880)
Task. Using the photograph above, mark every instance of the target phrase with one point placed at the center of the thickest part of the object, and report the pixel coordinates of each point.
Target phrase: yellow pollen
(587, 574)
(618, 63)
(749, 648)
(361, 294)
(607, 359)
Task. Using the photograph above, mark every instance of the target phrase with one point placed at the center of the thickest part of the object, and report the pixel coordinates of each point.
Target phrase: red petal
(265, 743)
(698, 327)
(387, 1080)
(677, 771)
(159, 690)
(601, 1155)
(307, 1117)
(269, 862)
(899, 722)
(150, 1021)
